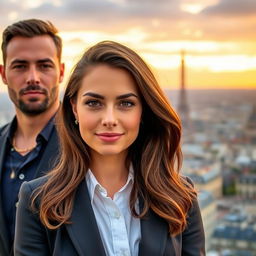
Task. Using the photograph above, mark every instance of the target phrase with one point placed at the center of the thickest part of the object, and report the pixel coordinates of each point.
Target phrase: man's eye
(20, 66)
(45, 66)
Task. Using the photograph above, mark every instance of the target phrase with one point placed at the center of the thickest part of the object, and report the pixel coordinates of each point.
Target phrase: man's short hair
(31, 28)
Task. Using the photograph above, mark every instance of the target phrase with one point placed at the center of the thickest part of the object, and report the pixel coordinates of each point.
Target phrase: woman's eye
(93, 103)
(127, 104)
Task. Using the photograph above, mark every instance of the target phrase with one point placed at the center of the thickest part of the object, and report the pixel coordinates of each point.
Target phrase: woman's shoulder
(28, 190)
(33, 184)
(187, 181)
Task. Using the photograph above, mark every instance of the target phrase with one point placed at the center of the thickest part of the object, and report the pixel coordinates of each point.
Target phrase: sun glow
(209, 64)
(196, 6)
(192, 8)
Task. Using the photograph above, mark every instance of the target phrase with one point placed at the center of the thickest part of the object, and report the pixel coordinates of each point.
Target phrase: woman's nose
(109, 119)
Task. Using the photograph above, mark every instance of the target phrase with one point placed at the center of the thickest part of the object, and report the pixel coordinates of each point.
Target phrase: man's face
(32, 73)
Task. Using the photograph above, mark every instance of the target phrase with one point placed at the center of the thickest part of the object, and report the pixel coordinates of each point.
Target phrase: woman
(117, 188)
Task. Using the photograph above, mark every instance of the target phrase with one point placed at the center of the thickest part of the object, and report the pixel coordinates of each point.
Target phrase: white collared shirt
(119, 230)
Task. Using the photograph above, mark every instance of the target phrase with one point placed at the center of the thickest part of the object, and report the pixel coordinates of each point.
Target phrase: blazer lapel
(50, 155)
(3, 233)
(154, 233)
(3, 141)
(83, 229)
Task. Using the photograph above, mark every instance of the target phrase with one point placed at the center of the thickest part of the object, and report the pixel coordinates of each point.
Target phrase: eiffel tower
(250, 128)
(183, 108)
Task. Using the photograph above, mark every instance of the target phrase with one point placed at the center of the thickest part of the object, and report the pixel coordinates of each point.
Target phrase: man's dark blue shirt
(17, 169)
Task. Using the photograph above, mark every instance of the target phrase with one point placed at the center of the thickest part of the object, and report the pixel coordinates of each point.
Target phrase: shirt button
(21, 176)
(117, 215)
(125, 252)
(102, 190)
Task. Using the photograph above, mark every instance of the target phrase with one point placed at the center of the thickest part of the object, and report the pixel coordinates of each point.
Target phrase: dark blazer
(82, 236)
(46, 163)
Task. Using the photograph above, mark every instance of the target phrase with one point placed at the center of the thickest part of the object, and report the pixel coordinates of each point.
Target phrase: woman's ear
(74, 108)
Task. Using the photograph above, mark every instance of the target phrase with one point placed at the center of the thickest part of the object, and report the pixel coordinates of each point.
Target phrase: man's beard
(31, 108)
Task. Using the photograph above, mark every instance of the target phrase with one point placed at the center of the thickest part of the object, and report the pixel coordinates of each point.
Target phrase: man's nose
(33, 76)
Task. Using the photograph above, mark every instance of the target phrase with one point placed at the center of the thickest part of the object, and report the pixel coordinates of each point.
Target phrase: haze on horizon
(218, 36)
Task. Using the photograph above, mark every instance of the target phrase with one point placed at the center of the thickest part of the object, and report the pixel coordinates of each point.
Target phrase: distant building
(208, 178)
(205, 173)
(236, 232)
(246, 186)
(208, 210)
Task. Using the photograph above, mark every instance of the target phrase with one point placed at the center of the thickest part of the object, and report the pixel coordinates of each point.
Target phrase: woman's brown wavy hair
(155, 154)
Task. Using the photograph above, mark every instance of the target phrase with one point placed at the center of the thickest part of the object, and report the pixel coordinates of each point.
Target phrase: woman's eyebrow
(95, 95)
(98, 96)
(127, 95)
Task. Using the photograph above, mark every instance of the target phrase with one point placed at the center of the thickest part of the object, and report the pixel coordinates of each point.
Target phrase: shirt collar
(92, 183)
(45, 132)
(12, 129)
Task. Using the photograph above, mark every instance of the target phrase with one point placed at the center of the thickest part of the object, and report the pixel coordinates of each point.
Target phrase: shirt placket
(118, 229)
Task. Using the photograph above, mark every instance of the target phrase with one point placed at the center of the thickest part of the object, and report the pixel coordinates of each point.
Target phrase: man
(32, 71)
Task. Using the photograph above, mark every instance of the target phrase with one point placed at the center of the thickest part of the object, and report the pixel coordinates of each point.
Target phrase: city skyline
(218, 36)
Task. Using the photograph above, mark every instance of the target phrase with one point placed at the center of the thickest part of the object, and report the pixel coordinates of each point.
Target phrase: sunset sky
(218, 36)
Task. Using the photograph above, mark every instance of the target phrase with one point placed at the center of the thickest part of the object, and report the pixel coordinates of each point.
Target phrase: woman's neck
(110, 171)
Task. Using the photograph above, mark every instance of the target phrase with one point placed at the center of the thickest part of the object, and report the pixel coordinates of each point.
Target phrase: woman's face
(108, 109)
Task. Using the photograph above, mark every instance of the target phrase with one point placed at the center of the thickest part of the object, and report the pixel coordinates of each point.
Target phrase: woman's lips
(109, 137)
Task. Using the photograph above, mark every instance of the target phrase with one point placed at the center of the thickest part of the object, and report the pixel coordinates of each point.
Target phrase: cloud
(161, 20)
(98, 13)
(229, 20)
(232, 8)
